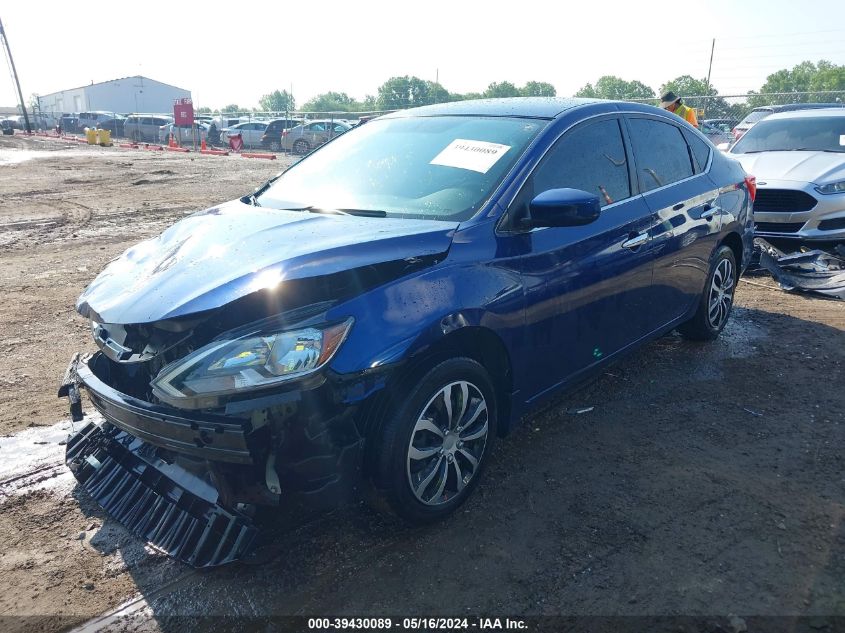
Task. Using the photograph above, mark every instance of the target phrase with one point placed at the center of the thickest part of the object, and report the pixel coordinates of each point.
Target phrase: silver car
(251, 133)
(798, 159)
(183, 134)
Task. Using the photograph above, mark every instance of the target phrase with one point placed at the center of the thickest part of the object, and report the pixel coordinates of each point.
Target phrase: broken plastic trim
(811, 271)
(108, 463)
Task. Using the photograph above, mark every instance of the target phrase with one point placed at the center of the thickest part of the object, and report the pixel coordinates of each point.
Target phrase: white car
(251, 133)
(798, 159)
(183, 134)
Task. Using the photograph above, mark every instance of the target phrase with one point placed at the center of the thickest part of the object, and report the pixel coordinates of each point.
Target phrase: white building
(125, 95)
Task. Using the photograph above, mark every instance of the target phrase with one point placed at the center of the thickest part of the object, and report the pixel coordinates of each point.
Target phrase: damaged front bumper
(137, 490)
(188, 482)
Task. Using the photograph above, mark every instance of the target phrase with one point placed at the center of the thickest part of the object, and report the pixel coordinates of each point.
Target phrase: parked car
(272, 137)
(7, 127)
(145, 127)
(389, 306)
(251, 133)
(69, 123)
(115, 125)
(799, 160)
(183, 134)
(758, 114)
(93, 119)
(308, 136)
(718, 130)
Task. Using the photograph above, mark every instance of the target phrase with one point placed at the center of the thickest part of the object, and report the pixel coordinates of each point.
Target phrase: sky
(226, 55)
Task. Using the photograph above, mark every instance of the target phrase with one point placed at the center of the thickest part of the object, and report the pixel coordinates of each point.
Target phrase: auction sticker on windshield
(478, 156)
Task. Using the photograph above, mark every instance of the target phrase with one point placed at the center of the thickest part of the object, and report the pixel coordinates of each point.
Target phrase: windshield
(818, 133)
(437, 168)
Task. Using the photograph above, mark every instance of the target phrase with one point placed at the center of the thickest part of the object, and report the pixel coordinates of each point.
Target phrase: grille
(831, 225)
(783, 201)
(778, 227)
(153, 506)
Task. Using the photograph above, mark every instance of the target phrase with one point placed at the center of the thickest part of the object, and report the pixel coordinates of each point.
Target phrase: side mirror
(563, 207)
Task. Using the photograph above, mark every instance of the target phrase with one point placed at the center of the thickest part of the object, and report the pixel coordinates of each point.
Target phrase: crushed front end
(189, 480)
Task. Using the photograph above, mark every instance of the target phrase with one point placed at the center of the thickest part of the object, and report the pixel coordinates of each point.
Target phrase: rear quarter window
(699, 149)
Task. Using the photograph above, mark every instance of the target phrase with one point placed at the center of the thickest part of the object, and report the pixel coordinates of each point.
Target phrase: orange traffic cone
(203, 146)
(172, 141)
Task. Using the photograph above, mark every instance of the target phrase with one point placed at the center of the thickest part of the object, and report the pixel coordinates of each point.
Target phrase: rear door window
(661, 153)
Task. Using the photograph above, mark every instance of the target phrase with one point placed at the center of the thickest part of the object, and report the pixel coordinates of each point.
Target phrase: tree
(277, 101)
(403, 92)
(204, 110)
(708, 99)
(804, 77)
(501, 90)
(538, 89)
(231, 108)
(612, 87)
(330, 102)
(437, 93)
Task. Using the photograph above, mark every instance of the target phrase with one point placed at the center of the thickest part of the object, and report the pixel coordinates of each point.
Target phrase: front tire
(714, 307)
(433, 448)
(301, 147)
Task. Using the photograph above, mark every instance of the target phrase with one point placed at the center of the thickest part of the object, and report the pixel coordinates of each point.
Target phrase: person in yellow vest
(672, 102)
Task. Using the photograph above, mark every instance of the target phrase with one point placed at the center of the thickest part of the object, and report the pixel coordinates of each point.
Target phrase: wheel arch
(734, 242)
(476, 342)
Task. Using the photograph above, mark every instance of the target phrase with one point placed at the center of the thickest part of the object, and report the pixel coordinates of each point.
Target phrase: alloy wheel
(721, 294)
(447, 443)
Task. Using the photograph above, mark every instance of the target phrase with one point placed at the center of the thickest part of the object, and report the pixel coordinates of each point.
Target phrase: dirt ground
(706, 479)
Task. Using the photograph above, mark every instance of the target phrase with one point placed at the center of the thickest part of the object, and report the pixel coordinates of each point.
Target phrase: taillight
(284, 133)
(751, 183)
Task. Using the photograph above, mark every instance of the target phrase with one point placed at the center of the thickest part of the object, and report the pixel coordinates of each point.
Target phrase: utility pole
(709, 69)
(15, 75)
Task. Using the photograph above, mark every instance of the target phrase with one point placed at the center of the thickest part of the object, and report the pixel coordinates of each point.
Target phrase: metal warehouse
(127, 94)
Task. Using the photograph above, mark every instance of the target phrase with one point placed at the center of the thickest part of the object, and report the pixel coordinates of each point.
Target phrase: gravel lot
(706, 480)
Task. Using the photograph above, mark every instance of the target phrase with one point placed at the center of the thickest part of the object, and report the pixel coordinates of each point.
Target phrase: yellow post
(104, 137)
(91, 136)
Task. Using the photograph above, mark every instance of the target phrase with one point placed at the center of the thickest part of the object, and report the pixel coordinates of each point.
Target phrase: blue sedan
(385, 309)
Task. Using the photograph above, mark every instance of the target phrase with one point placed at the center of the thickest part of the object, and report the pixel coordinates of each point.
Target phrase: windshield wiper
(251, 199)
(369, 213)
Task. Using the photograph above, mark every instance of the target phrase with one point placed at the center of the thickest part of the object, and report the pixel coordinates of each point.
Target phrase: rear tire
(433, 447)
(275, 146)
(714, 306)
(301, 147)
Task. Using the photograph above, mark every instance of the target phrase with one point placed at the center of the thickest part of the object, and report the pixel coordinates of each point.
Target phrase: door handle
(710, 212)
(635, 241)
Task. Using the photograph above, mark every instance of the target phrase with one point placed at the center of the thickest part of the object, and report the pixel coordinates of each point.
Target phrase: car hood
(815, 167)
(216, 256)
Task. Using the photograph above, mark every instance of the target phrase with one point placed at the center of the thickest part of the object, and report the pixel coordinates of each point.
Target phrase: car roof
(807, 114)
(529, 107)
(788, 107)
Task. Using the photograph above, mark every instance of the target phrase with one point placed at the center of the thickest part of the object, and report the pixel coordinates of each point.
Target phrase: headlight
(834, 187)
(251, 361)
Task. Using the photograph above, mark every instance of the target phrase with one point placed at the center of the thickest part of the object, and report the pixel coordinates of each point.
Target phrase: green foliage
(805, 77)
(231, 108)
(538, 89)
(331, 102)
(501, 90)
(612, 87)
(277, 101)
(203, 110)
(403, 92)
(688, 88)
